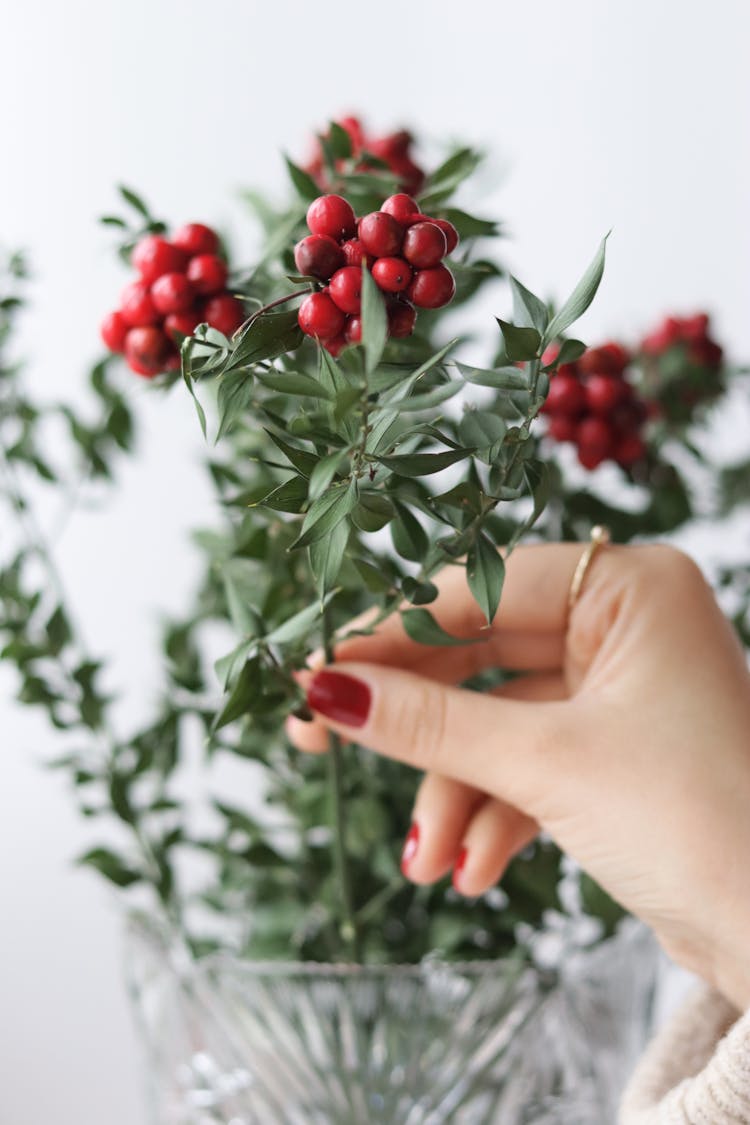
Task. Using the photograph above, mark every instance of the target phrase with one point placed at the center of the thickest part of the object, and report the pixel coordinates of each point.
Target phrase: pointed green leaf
(324, 472)
(374, 322)
(485, 573)
(520, 343)
(235, 394)
(299, 625)
(292, 383)
(108, 864)
(422, 464)
(326, 512)
(507, 378)
(410, 539)
(303, 461)
(580, 298)
(419, 593)
(528, 310)
(373, 511)
(267, 336)
(291, 496)
(247, 689)
(327, 555)
(304, 184)
(422, 627)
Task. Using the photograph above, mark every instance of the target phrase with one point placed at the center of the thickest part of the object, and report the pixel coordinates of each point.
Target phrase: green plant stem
(348, 928)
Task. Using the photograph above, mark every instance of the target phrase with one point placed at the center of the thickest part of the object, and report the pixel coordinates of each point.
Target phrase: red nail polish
(411, 843)
(339, 697)
(459, 866)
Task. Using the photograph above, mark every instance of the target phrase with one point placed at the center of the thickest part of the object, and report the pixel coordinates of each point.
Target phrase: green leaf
(409, 537)
(375, 582)
(413, 403)
(303, 461)
(570, 351)
(326, 512)
(482, 430)
(419, 593)
(199, 409)
(339, 142)
(528, 310)
(446, 178)
(580, 298)
(520, 343)
(465, 495)
(119, 795)
(297, 628)
(108, 864)
(374, 322)
(303, 182)
(291, 496)
(247, 689)
(422, 464)
(326, 557)
(485, 573)
(226, 667)
(422, 627)
(292, 383)
(373, 511)
(58, 631)
(135, 201)
(235, 394)
(267, 336)
(324, 472)
(470, 226)
(507, 378)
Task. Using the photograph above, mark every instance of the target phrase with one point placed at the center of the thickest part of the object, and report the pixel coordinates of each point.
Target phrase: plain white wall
(598, 114)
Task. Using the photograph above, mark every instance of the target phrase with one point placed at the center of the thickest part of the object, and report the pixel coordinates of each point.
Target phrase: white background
(597, 115)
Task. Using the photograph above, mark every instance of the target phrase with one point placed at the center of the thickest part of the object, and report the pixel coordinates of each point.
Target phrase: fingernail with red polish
(411, 844)
(339, 697)
(459, 866)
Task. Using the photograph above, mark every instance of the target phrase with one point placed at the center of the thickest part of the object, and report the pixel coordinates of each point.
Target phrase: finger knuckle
(420, 723)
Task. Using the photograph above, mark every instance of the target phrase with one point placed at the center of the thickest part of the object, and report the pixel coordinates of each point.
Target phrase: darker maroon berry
(596, 439)
(319, 256)
(113, 330)
(566, 396)
(425, 245)
(695, 328)
(224, 313)
(172, 293)
(319, 316)
(146, 350)
(335, 346)
(346, 289)
(629, 449)
(207, 273)
(400, 207)
(195, 238)
(181, 324)
(604, 393)
(153, 256)
(331, 215)
(136, 307)
(431, 289)
(354, 252)
(380, 234)
(392, 275)
(353, 330)
(706, 353)
(562, 427)
(450, 232)
(401, 319)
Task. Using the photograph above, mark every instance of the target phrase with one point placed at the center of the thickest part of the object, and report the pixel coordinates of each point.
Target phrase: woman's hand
(627, 740)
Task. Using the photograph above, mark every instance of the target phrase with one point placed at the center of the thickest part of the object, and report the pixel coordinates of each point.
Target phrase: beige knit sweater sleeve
(696, 1071)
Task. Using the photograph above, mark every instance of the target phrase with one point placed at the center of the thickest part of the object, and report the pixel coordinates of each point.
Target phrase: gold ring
(599, 538)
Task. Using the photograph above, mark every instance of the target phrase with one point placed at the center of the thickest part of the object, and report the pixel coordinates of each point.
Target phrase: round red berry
(401, 207)
(207, 273)
(425, 245)
(181, 324)
(224, 313)
(146, 350)
(153, 256)
(335, 346)
(695, 328)
(392, 275)
(380, 234)
(450, 232)
(354, 252)
(566, 396)
(629, 449)
(596, 439)
(195, 238)
(609, 359)
(401, 319)
(346, 289)
(431, 289)
(331, 215)
(353, 330)
(319, 316)
(172, 293)
(604, 393)
(136, 306)
(319, 256)
(562, 427)
(113, 330)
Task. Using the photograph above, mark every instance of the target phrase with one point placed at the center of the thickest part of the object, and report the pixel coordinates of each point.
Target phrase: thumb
(502, 746)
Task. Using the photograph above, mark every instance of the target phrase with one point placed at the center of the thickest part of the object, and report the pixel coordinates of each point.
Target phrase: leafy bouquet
(352, 457)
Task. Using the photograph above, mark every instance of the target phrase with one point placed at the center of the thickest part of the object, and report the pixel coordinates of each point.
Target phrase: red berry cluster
(403, 250)
(181, 282)
(592, 404)
(394, 149)
(690, 332)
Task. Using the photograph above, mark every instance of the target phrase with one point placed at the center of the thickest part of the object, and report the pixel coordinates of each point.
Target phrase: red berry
(331, 215)
(695, 328)
(146, 350)
(394, 145)
(319, 316)
(606, 392)
(431, 289)
(353, 126)
(562, 428)
(195, 238)
(113, 330)
(354, 252)
(335, 346)
(425, 245)
(401, 319)
(319, 256)
(172, 293)
(353, 330)
(400, 207)
(629, 449)
(668, 333)
(705, 353)
(566, 395)
(380, 234)
(224, 313)
(207, 274)
(450, 232)
(136, 307)
(346, 289)
(393, 275)
(595, 438)
(609, 359)
(590, 457)
(153, 256)
(181, 324)
(410, 175)
(629, 415)
(173, 362)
